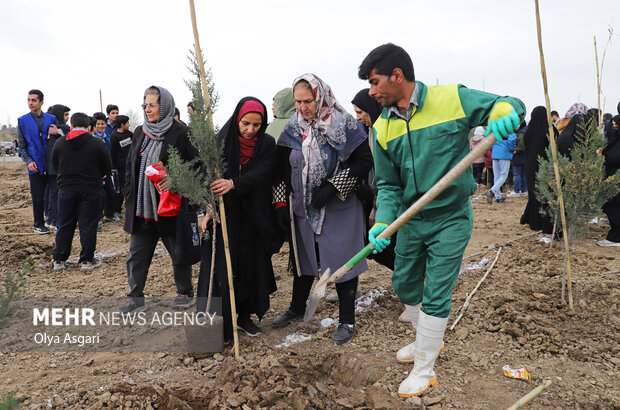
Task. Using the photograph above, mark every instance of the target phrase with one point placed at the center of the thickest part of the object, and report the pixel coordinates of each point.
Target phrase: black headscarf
(229, 136)
(573, 132)
(59, 111)
(536, 142)
(366, 103)
(612, 150)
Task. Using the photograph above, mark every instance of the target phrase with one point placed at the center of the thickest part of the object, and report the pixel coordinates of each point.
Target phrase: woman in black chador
(536, 141)
(250, 157)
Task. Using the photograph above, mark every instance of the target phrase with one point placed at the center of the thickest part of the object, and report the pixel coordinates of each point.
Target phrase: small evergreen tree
(13, 286)
(584, 185)
(192, 178)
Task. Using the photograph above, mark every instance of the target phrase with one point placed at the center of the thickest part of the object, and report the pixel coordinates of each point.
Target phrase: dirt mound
(516, 318)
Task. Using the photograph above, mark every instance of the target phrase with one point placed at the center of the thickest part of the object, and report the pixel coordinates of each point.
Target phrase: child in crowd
(478, 165)
(120, 143)
(107, 201)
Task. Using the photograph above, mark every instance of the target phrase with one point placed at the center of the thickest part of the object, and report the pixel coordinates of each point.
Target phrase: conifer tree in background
(584, 185)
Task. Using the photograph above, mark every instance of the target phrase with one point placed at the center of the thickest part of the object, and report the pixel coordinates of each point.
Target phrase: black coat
(252, 235)
(176, 137)
(536, 141)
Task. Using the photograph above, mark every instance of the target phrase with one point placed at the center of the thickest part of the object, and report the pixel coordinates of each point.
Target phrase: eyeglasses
(152, 105)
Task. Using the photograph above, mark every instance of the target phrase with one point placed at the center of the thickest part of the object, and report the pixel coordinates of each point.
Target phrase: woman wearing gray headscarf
(150, 145)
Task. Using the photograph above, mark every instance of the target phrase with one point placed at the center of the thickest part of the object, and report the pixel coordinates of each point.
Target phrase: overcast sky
(72, 49)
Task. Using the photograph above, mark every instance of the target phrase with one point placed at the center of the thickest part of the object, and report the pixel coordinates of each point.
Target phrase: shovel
(321, 286)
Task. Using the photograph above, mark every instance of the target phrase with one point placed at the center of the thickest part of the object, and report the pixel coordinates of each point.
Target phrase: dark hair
(121, 119)
(111, 107)
(554, 112)
(384, 59)
(92, 121)
(37, 92)
(607, 116)
(177, 112)
(79, 119)
(99, 116)
(191, 104)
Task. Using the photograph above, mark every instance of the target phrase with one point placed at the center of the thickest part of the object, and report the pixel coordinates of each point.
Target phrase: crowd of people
(528, 145)
(317, 177)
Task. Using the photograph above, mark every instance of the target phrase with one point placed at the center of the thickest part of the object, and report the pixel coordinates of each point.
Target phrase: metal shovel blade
(320, 289)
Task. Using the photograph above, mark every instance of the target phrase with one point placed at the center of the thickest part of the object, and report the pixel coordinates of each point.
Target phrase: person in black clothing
(149, 146)
(120, 143)
(612, 165)
(61, 112)
(250, 156)
(82, 161)
(536, 141)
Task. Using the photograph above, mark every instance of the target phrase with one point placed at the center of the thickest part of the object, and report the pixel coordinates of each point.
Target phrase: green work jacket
(410, 157)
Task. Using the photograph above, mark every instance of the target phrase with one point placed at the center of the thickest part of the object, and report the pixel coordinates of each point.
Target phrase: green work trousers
(429, 252)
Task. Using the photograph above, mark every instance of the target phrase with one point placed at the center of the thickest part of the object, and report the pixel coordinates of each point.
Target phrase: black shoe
(500, 201)
(246, 325)
(133, 305)
(489, 197)
(277, 277)
(343, 334)
(41, 230)
(285, 318)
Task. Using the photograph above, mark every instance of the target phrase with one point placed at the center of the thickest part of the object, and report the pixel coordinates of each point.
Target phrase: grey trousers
(142, 245)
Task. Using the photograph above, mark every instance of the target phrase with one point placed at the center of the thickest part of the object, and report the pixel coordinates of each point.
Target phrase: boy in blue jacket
(502, 155)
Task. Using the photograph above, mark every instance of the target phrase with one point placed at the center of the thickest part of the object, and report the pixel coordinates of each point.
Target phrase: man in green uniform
(422, 134)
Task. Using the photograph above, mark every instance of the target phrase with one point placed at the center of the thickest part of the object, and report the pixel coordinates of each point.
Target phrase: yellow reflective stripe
(379, 223)
(441, 104)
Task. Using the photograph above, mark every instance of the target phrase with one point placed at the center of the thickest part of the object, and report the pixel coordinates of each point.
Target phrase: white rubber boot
(407, 353)
(428, 342)
(410, 314)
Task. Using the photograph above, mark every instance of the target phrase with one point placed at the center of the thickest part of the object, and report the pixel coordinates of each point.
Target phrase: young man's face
(125, 127)
(383, 89)
(555, 117)
(113, 114)
(100, 126)
(66, 116)
(34, 104)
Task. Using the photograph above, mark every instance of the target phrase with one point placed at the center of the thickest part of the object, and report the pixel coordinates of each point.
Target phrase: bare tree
(135, 119)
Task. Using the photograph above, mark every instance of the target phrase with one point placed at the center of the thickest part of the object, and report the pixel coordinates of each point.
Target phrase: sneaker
(87, 266)
(41, 230)
(285, 318)
(605, 242)
(50, 225)
(500, 201)
(489, 197)
(513, 194)
(343, 334)
(183, 301)
(133, 305)
(246, 325)
(111, 219)
(59, 265)
(118, 216)
(523, 193)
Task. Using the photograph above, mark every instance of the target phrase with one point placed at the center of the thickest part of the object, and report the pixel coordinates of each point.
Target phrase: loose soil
(516, 318)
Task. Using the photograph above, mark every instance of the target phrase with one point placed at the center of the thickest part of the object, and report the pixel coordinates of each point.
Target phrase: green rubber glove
(379, 244)
(503, 121)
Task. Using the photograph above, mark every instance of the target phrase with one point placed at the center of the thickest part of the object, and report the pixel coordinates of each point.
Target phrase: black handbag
(187, 244)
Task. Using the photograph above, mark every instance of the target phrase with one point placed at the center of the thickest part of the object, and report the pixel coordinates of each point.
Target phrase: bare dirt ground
(516, 318)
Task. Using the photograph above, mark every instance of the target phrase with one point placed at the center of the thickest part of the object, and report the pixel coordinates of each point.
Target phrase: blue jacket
(504, 149)
(33, 141)
(107, 133)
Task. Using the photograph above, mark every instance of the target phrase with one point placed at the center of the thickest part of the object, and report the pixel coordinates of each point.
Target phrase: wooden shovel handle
(442, 184)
